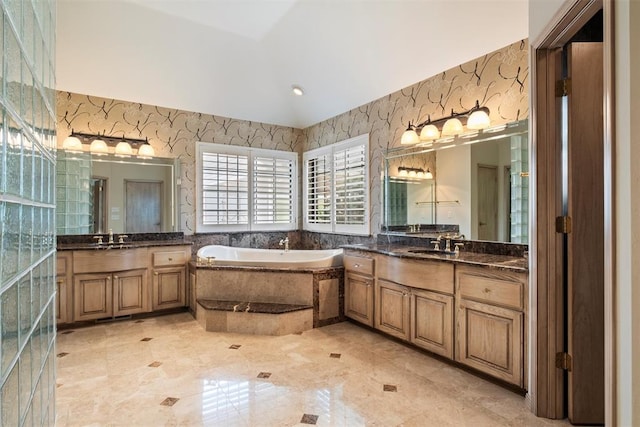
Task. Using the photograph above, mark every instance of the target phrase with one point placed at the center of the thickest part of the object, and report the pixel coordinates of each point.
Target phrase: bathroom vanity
(470, 308)
(108, 281)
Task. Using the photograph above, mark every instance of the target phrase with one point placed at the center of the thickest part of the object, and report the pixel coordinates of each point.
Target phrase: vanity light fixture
(476, 118)
(100, 145)
(418, 173)
(297, 90)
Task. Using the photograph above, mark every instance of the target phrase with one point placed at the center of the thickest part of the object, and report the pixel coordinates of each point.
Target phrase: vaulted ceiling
(240, 58)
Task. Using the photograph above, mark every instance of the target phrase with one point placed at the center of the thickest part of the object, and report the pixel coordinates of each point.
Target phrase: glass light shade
(479, 119)
(98, 147)
(429, 132)
(428, 174)
(452, 127)
(71, 143)
(123, 149)
(412, 173)
(146, 151)
(409, 137)
(402, 172)
(420, 174)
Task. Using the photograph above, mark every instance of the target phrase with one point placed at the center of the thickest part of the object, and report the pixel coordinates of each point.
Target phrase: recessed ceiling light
(297, 90)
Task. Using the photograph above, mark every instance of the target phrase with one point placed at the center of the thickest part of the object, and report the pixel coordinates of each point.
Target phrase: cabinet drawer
(428, 275)
(358, 264)
(63, 263)
(108, 260)
(492, 288)
(169, 258)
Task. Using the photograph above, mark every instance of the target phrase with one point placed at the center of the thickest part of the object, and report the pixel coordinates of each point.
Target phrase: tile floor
(167, 371)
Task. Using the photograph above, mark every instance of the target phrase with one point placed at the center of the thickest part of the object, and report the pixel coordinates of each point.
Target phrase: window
(336, 190)
(242, 188)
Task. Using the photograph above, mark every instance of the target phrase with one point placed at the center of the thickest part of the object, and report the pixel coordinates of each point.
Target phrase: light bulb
(429, 132)
(479, 119)
(71, 143)
(98, 147)
(409, 137)
(428, 175)
(452, 127)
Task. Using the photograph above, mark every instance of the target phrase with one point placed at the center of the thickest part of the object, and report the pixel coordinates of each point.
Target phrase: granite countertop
(76, 246)
(519, 264)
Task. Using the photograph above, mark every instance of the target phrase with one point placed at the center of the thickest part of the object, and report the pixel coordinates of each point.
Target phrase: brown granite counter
(480, 259)
(126, 245)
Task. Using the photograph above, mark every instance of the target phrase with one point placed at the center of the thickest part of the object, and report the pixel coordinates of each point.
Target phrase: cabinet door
(61, 299)
(392, 309)
(92, 296)
(169, 290)
(489, 339)
(432, 322)
(358, 298)
(131, 292)
(191, 291)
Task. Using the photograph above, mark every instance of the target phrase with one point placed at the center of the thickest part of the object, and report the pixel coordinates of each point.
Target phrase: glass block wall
(73, 195)
(519, 189)
(27, 209)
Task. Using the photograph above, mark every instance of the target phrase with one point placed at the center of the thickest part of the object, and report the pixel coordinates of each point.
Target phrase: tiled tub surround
(319, 289)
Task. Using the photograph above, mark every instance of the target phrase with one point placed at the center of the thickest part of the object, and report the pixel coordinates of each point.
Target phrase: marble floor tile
(339, 375)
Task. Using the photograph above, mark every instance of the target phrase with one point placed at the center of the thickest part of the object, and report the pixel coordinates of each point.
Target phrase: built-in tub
(274, 258)
(243, 277)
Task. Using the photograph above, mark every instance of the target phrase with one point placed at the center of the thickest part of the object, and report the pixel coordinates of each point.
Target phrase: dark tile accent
(58, 385)
(235, 346)
(169, 401)
(264, 374)
(309, 419)
(63, 354)
(67, 332)
(335, 355)
(388, 387)
(139, 321)
(146, 339)
(154, 364)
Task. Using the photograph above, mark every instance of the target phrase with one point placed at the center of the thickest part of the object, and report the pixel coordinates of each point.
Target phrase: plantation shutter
(350, 185)
(318, 181)
(225, 189)
(273, 190)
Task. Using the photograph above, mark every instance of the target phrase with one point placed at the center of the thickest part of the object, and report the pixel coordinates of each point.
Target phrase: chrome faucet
(285, 242)
(110, 236)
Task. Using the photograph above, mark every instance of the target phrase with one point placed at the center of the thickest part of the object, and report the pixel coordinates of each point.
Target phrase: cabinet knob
(60, 281)
(487, 290)
(356, 265)
(115, 277)
(155, 273)
(170, 259)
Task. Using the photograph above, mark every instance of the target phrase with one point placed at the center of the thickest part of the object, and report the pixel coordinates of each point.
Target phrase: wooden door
(169, 290)
(358, 298)
(585, 241)
(432, 322)
(487, 202)
(130, 292)
(92, 296)
(392, 309)
(490, 339)
(143, 206)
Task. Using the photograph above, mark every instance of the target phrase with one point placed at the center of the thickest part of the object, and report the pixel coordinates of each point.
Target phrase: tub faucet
(285, 242)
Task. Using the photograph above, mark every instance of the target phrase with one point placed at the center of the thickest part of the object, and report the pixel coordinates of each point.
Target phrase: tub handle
(356, 265)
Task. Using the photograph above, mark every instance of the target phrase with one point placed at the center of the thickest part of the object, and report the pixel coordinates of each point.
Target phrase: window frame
(251, 154)
(330, 150)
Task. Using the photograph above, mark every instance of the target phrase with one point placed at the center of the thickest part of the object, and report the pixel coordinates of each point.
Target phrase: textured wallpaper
(172, 133)
(499, 80)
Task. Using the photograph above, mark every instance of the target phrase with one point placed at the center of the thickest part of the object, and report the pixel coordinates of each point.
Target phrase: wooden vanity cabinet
(432, 322)
(490, 322)
(169, 275)
(64, 274)
(392, 309)
(358, 288)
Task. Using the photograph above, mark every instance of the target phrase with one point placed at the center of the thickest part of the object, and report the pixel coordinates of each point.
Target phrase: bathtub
(276, 258)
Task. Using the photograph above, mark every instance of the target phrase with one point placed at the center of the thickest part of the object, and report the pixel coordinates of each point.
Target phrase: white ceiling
(239, 58)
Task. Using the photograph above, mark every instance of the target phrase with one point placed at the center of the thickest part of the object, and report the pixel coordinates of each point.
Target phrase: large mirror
(476, 185)
(95, 194)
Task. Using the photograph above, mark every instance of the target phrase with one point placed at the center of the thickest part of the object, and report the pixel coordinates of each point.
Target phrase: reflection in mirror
(127, 195)
(479, 187)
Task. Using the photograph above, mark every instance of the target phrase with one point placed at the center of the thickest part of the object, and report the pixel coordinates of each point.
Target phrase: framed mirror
(127, 195)
(475, 185)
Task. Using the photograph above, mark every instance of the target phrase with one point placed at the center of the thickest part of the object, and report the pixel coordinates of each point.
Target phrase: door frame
(546, 388)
